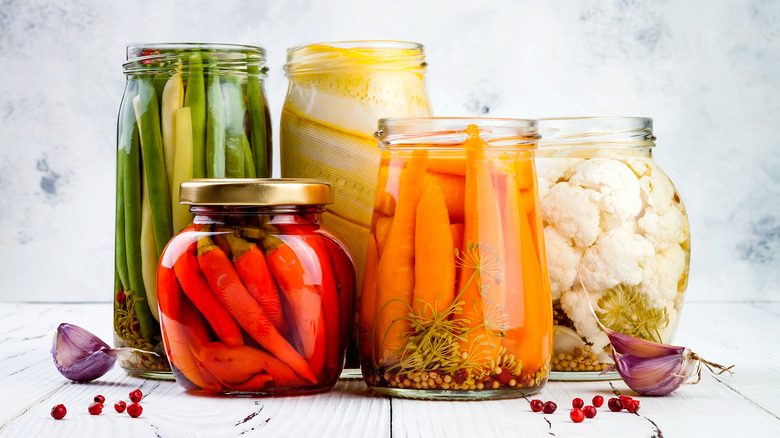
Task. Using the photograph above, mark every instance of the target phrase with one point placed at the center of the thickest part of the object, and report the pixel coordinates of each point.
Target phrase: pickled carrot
(368, 304)
(457, 235)
(515, 291)
(434, 255)
(481, 284)
(395, 276)
(449, 165)
(453, 188)
(382, 229)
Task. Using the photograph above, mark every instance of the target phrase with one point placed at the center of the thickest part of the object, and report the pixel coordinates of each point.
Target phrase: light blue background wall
(707, 72)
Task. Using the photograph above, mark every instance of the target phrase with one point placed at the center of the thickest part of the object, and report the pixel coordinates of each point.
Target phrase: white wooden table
(746, 404)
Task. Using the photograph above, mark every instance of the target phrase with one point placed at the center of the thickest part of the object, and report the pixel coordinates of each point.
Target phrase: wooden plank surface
(743, 334)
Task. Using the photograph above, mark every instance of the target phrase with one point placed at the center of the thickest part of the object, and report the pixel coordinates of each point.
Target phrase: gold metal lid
(255, 191)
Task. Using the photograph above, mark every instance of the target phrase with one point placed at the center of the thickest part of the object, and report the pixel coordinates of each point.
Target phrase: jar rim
(359, 54)
(596, 131)
(255, 191)
(450, 132)
(143, 57)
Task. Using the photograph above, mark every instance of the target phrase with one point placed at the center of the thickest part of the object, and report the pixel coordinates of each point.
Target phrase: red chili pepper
(344, 270)
(240, 363)
(197, 289)
(227, 286)
(256, 276)
(296, 282)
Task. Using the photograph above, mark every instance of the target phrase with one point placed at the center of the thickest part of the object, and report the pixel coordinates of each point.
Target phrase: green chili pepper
(234, 126)
(249, 162)
(195, 98)
(215, 124)
(257, 107)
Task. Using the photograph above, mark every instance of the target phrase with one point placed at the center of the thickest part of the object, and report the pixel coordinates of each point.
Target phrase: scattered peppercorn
(615, 405)
(549, 407)
(95, 408)
(134, 410)
(120, 406)
(632, 406)
(577, 403)
(537, 405)
(589, 411)
(58, 412)
(99, 399)
(598, 401)
(577, 415)
(136, 396)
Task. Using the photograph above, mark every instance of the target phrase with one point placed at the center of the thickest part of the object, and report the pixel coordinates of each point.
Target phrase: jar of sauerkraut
(336, 94)
(615, 225)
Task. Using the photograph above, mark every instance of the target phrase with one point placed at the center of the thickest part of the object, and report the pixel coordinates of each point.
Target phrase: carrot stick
(453, 188)
(227, 287)
(515, 291)
(450, 165)
(395, 277)
(246, 361)
(197, 289)
(434, 255)
(457, 235)
(481, 283)
(368, 304)
(254, 272)
(296, 284)
(382, 231)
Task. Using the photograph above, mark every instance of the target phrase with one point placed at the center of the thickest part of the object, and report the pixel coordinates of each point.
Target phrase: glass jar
(456, 301)
(610, 212)
(182, 116)
(255, 296)
(337, 92)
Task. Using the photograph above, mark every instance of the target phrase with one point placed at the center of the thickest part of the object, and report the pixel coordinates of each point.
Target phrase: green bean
(234, 126)
(159, 80)
(130, 160)
(195, 98)
(215, 124)
(249, 162)
(257, 110)
(120, 257)
(154, 164)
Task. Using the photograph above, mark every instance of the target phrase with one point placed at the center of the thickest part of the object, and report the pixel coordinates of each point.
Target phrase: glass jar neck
(228, 58)
(586, 135)
(355, 56)
(254, 215)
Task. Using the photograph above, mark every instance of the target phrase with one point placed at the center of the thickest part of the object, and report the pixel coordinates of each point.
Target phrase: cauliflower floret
(618, 186)
(659, 285)
(664, 230)
(662, 191)
(576, 308)
(556, 169)
(562, 261)
(618, 256)
(573, 213)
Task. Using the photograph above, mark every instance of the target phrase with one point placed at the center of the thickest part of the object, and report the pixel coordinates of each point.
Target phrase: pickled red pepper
(474, 264)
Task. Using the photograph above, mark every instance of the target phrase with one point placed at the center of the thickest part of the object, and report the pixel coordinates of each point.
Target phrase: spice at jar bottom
(455, 300)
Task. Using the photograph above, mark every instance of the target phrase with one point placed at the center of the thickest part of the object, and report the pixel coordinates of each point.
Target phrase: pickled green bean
(154, 164)
(257, 107)
(195, 98)
(234, 126)
(249, 162)
(215, 124)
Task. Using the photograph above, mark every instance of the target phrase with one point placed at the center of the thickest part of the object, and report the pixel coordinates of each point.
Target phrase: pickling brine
(455, 300)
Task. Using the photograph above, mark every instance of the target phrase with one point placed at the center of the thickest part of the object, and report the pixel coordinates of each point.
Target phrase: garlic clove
(639, 347)
(81, 356)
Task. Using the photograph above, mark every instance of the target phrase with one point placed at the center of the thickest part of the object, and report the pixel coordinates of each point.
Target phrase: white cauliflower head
(573, 213)
(562, 261)
(618, 186)
(663, 230)
(659, 285)
(618, 256)
(576, 308)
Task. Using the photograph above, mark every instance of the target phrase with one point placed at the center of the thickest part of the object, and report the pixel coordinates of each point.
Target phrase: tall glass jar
(188, 110)
(337, 92)
(456, 300)
(611, 214)
(255, 296)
